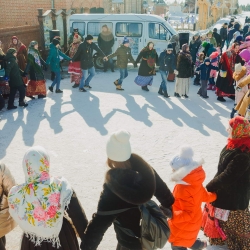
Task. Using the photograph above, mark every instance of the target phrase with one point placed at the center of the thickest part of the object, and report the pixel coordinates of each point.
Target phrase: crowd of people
(51, 217)
(204, 57)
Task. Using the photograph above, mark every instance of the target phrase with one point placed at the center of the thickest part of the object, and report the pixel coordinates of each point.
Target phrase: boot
(177, 95)
(59, 91)
(221, 99)
(199, 92)
(166, 94)
(11, 107)
(209, 87)
(160, 91)
(186, 96)
(213, 87)
(119, 87)
(75, 85)
(145, 88)
(116, 82)
(51, 88)
(41, 96)
(233, 113)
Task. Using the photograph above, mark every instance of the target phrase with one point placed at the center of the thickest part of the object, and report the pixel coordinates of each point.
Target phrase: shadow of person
(88, 106)
(56, 115)
(33, 120)
(135, 111)
(10, 128)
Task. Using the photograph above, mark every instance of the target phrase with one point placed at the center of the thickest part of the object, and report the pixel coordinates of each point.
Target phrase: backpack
(154, 226)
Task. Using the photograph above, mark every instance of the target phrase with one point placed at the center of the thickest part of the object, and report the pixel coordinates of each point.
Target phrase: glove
(135, 65)
(176, 72)
(167, 211)
(6, 78)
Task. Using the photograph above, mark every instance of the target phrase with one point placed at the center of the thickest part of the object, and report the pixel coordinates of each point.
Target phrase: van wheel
(98, 61)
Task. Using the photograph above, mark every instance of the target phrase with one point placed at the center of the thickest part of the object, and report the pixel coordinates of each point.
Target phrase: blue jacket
(205, 71)
(167, 62)
(53, 59)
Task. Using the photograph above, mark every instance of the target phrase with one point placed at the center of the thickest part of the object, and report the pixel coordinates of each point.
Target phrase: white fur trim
(179, 174)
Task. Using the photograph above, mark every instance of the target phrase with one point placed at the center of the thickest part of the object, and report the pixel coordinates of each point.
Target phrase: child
(205, 69)
(54, 61)
(189, 194)
(214, 57)
(167, 63)
(198, 62)
(123, 54)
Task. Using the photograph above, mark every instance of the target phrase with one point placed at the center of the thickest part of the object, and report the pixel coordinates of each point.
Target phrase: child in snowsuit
(198, 62)
(189, 194)
(205, 69)
(214, 57)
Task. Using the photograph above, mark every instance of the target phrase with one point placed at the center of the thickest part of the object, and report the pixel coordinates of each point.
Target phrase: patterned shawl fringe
(37, 240)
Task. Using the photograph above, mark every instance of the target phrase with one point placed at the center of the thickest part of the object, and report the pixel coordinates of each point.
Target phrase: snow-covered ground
(75, 126)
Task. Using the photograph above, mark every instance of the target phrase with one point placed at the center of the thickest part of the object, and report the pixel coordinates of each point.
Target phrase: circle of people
(48, 211)
(203, 58)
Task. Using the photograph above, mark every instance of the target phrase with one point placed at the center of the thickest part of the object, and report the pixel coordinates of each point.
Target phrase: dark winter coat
(54, 58)
(247, 34)
(232, 31)
(184, 65)
(123, 54)
(84, 54)
(217, 38)
(12, 71)
(126, 188)
(245, 30)
(106, 46)
(35, 70)
(144, 69)
(210, 50)
(167, 62)
(2, 61)
(193, 47)
(232, 180)
(223, 33)
(205, 70)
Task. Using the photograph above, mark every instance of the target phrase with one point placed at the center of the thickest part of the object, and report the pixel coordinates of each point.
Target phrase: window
(157, 31)
(95, 28)
(129, 29)
(80, 26)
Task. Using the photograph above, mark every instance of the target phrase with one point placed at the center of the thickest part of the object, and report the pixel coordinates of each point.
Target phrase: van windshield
(170, 28)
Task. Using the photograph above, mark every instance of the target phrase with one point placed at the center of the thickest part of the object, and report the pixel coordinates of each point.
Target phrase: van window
(128, 29)
(80, 26)
(95, 28)
(157, 31)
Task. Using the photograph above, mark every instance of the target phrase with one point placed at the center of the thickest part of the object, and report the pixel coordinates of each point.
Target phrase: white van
(139, 28)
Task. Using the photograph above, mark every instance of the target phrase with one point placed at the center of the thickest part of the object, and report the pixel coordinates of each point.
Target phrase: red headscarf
(240, 134)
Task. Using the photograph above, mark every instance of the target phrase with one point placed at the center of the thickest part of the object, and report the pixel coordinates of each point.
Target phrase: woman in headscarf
(75, 67)
(232, 186)
(45, 207)
(7, 223)
(149, 58)
(21, 52)
(224, 82)
(35, 65)
(183, 71)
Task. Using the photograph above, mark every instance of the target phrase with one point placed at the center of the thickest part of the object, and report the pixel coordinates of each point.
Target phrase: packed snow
(75, 126)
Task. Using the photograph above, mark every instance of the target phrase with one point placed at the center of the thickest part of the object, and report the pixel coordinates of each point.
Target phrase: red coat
(187, 212)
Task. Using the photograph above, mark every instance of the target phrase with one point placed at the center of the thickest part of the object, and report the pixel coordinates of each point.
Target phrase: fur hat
(118, 146)
(197, 34)
(55, 41)
(89, 37)
(170, 46)
(125, 40)
(238, 67)
(245, 54)
(11, 51)
(214, 55)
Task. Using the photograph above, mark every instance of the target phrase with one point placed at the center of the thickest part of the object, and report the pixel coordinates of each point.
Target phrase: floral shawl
(19, 46)
(240, 134)
(36, 55)
(38, 205)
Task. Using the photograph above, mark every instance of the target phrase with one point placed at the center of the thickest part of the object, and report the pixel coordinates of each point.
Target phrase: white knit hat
(238, 67)
(184, 158)
(118, 146)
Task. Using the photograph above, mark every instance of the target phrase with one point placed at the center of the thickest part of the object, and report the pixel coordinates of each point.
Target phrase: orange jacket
(187, 212)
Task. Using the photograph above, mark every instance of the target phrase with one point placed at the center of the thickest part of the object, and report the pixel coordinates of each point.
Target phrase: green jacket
(123, 54)
(12, 71)
(213, 41)
(53, 59)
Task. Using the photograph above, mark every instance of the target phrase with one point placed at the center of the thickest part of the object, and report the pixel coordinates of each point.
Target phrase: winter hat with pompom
(125, 40)
(118, 146)
(214, 55)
